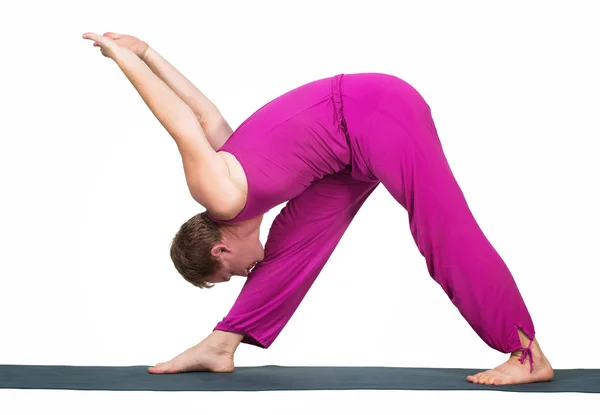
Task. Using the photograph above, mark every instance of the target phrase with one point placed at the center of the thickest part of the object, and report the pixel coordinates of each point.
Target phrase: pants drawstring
(527, 352)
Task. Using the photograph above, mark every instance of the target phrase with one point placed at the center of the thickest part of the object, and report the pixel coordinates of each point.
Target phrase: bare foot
(514, 371)
(201, 358)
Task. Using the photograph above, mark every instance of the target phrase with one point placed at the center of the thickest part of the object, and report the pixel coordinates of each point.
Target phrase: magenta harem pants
(393, 141)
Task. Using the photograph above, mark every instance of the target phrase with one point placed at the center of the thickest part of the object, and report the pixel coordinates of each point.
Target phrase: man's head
(206, 252)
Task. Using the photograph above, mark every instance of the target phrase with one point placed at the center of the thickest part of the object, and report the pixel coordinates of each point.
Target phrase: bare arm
(215, 127)
(206, 172)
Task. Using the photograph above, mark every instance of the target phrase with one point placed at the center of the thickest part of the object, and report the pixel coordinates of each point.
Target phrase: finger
(101, 40)
(90, 35)
(112, 35)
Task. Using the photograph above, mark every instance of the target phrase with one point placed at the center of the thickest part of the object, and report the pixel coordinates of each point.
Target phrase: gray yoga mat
(274, 378)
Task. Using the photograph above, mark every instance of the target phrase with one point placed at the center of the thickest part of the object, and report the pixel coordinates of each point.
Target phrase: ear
(219, 249)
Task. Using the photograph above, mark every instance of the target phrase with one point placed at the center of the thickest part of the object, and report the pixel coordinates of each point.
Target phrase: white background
(93, 190)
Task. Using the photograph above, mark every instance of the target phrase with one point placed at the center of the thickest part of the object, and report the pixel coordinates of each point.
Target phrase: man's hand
(108, 46)
(132, 43)
(213, 354)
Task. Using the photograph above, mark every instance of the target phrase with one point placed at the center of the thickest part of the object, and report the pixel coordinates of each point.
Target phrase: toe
(488, 379)
(472, 378)
(159, 368)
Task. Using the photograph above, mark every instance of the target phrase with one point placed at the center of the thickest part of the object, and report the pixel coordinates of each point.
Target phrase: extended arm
(215, 127)
(206, 172)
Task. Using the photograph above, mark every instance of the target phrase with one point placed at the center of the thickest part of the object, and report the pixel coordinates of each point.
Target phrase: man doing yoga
(323, 148)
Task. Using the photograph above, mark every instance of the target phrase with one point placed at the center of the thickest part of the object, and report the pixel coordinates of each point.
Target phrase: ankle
(223, 342)
(527, 343)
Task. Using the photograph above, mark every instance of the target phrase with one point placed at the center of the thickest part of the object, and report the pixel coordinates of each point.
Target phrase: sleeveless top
(289, 143)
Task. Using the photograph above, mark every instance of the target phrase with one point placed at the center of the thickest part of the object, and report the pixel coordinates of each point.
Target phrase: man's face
(238, 257)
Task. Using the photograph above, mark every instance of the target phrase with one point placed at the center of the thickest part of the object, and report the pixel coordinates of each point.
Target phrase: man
(324, 147)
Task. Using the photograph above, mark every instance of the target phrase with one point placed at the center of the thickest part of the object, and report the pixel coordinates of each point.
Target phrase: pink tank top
(289, 143)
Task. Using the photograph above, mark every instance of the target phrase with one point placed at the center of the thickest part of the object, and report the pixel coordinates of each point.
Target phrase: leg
(301, 240)
(398, 142)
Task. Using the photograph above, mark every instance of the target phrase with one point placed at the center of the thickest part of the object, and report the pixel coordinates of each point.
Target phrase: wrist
(123, 56)
(147, 53)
